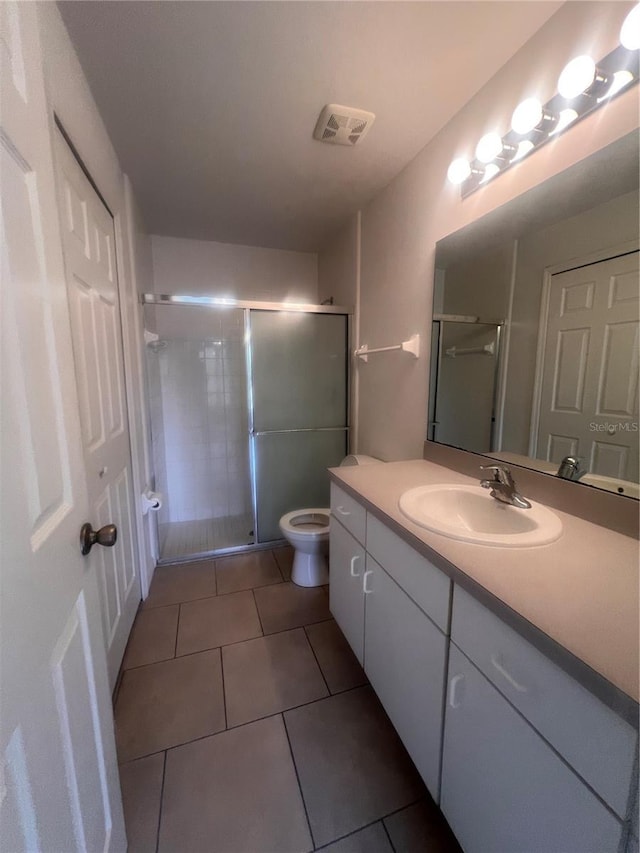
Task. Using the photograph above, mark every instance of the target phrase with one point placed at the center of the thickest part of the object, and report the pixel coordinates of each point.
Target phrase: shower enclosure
(465, 367)
(248, 406)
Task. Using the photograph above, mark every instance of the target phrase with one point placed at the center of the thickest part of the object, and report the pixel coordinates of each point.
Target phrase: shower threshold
(184, 540)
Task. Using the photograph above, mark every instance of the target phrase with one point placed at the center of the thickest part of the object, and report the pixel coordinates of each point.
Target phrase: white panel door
(346, 598)
(589, 396)
(404, 659)
(92, 283)
(59, 786)
(504, 790)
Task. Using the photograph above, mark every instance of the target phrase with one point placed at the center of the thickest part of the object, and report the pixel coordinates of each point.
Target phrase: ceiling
(211, 106)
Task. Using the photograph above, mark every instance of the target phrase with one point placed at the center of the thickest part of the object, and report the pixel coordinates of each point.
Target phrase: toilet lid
(314, 520)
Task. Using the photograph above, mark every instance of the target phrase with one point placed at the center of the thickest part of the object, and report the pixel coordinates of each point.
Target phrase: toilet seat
(312, 522)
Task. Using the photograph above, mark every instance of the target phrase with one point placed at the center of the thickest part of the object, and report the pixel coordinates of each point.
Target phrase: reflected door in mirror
(589, 373)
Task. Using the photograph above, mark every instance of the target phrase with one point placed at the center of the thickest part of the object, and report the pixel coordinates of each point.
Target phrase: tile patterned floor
(244, 724)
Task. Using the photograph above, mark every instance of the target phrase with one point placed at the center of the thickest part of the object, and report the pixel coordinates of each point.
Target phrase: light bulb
(564, 120)
(526, 116)
(523, 149)
(489, 147)
(576, 77)
(630, 30)
(490, 172)
(620, 80)
(459, 170)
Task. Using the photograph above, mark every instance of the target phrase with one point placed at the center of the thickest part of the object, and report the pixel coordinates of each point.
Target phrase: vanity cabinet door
(503, 787)
(404, 658)
(346, 598)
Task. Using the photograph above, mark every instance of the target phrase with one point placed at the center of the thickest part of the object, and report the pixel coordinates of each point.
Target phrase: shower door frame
(248, 305)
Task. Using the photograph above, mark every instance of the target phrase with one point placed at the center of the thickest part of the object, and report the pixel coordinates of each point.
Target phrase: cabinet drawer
(424, 583)
(591, 737)
(349, 513)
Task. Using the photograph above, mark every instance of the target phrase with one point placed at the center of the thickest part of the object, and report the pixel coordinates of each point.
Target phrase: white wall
(480, 285)
(339, 278)
(401, 226)
(70, 98)
(196, 267)
(338, 265)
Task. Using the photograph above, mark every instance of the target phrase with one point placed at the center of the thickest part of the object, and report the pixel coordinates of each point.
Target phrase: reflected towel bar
(487, 349)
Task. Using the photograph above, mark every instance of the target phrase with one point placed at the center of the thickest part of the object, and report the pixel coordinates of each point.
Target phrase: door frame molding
(125, 281)
(554, 269)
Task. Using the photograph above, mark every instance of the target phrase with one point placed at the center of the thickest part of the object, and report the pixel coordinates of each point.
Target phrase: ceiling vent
(343, 125)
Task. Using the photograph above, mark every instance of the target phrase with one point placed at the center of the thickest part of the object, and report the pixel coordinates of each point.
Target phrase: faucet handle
(501, 474)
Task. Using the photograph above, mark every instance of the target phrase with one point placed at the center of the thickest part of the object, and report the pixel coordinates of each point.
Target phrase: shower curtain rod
(221, 302)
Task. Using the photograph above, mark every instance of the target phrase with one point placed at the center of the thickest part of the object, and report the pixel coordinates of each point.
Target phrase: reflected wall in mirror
(536, 327)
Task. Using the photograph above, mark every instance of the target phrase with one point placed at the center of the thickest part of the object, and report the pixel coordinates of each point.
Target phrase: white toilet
(307, 531)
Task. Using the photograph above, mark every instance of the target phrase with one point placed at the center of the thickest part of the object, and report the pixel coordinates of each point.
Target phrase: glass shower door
(299, 429)
(196, 372)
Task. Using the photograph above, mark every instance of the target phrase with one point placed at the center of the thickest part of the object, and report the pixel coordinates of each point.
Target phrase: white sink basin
(470, 513)
(611, 484)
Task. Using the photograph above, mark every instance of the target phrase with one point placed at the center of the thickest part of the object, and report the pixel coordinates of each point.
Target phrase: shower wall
(203, 388)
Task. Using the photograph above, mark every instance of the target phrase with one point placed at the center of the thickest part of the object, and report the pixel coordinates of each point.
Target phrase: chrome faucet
(503, 487)
(571, 468)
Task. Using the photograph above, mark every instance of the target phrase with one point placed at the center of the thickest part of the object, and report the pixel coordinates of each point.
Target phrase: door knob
(106, 536)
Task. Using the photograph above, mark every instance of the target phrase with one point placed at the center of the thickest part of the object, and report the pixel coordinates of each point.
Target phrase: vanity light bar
(583, 87)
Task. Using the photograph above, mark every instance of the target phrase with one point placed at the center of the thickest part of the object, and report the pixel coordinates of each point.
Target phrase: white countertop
(581, 590)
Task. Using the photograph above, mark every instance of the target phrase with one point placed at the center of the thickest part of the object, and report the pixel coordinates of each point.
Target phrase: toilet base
(309, 569)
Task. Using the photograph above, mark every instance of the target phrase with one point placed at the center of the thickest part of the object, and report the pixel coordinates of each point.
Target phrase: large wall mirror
(536, 327)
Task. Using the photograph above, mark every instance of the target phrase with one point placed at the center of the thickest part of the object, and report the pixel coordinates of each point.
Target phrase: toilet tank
(359, 459)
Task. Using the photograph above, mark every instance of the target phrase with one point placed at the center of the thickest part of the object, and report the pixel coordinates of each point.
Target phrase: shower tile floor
(182, 539)
(244, 724)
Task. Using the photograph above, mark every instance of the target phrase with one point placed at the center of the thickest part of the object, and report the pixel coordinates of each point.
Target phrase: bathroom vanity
(511, 674)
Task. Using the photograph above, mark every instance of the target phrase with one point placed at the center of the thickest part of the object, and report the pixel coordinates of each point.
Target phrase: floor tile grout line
(175, 645)
(402, 808)
(303, 625)
(387, 833)
(234, 643)
(255, 604)
(313, 652)
(164, 774)
(380, 820)
(240, 725)
(145, 606)
(284, 580)
(250, 588)
(349, 834)
(295, 769)
(224, 691)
